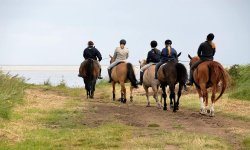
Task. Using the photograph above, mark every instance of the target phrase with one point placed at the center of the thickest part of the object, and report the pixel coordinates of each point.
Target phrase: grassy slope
(241, 79)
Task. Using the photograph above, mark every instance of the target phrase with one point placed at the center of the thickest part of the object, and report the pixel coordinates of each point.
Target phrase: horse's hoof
(124, 101)
(174, 110)
(148, 105)
(211, 114)
(171, 106)
(203, 112)
(177, 108)
(165, 108)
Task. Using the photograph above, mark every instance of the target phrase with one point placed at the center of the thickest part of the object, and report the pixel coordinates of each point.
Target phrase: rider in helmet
(206, 52)
(92, 53)
(153, 58)
(120, 55)
(167, 54)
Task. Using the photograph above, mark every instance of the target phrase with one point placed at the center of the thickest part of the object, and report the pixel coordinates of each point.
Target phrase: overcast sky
(55, 32)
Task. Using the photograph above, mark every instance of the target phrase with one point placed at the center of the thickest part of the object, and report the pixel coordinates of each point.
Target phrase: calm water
(55, 74)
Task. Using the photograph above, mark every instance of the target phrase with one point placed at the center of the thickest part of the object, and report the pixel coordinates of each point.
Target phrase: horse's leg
(87, 94)
(113, 84)
(146, 90)
(164, 95)
(172, 95)
(202, 106)
(123, 92)
(214, 88)
(179, 95)
(131, 93)
(155, 90)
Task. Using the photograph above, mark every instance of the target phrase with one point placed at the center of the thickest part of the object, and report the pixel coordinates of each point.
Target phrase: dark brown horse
(169, 74)
(121, 73)
(208, 74)
(90, 71)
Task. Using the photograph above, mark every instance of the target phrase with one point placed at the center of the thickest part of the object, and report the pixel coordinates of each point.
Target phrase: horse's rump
(211, 73)
(89, 69)
(124, 72)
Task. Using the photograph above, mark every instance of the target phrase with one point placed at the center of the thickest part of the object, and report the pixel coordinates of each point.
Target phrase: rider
(167, 54)
(120, 55)
(206, 52)
(92, 53)
(152, 59)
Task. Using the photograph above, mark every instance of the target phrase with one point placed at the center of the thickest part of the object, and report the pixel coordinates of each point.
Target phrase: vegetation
(11, 92)
(240, 82)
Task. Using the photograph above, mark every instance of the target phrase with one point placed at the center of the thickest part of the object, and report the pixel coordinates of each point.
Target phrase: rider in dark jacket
(206, 52)
(153, 57)
(167, 54)
(92, 53)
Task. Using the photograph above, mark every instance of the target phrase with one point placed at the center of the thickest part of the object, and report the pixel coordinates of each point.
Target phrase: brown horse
(90, 71)
(208, 74)
(150, 81)
(121, 73)
(169, 74)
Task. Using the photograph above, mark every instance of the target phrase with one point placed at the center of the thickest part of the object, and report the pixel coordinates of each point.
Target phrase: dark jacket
(165, 57)
(153, 56)
(92, 52)
(205, 51)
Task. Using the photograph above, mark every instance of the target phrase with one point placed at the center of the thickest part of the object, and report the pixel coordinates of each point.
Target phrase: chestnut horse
(90, 71)
(121, 73)
(208, 74)
(169, 74)
(150, 81)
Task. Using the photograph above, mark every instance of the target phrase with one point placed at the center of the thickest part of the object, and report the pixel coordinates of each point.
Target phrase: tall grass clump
(240, 87)
(11, 93)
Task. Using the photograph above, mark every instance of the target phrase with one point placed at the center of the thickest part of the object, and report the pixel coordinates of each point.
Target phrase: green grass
(12, 92)
(241, 82)
(246, 142)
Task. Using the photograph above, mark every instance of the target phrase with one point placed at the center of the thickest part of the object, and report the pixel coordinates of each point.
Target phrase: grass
(12, 92)
(241, 82)
(42, 123)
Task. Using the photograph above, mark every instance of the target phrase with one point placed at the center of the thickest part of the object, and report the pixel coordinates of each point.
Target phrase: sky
(55, 32)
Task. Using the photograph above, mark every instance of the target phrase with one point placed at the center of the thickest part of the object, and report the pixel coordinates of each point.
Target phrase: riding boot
(141, 78)
(190, 80)
(109, 72)
(100, 76)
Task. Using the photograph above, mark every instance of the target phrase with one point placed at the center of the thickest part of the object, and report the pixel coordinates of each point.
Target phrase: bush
(12, 92)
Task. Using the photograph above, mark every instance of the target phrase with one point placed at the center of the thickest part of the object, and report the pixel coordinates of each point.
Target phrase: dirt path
(99, 111)
(184, 120)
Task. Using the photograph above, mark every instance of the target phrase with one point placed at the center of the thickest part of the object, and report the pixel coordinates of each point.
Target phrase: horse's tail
(89, 69)
(181, 73)
(131, 75)
(224, 77)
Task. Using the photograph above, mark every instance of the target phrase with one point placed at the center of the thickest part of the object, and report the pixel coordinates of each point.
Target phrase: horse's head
(193, 59)
(111, 59)
(142, 63)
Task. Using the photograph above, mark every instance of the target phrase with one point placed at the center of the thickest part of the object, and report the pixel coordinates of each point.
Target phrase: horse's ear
(110, 56)
(179, 54)
(139, 62)
(189, 56)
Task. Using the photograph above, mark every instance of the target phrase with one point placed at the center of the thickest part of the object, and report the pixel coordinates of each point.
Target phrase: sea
(54, 74)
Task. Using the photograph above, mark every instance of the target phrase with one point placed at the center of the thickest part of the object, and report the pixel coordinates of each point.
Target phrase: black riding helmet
(168, 42)
(90, 43)
(210, 36)
(123, 41)
(153, 44)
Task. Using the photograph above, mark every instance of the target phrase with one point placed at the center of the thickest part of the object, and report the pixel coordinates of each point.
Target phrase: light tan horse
(208, 74)
(150, 81)
(122, 73)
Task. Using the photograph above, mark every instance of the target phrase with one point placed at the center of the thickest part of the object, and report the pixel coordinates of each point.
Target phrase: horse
(150, 81)
(169, 74)
(121, 73)
(208, 74)
(90, 72)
